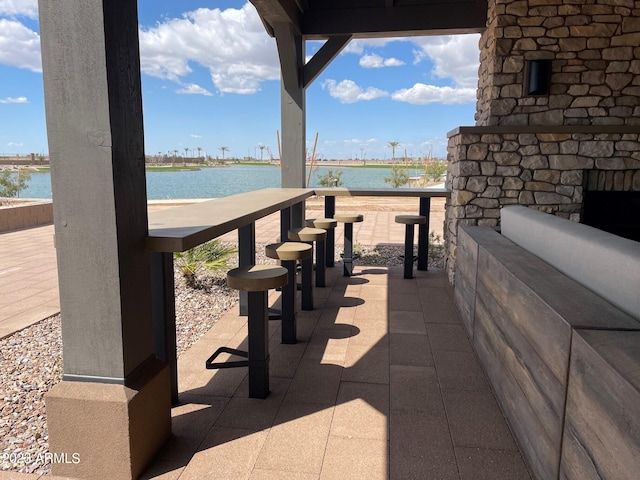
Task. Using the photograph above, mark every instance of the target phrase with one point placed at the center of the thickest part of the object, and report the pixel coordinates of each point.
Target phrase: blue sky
(211, 79)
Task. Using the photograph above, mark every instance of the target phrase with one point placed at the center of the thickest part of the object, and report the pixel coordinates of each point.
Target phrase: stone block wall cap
(348, 218)
(288, 251)
(307, 234)
(502, 129)
(321, 222)
(411, 219)
(257, 278)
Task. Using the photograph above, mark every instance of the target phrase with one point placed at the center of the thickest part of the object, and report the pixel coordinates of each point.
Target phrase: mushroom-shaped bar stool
(347, 257)
(322, 253)
(289, 253)
(409, 221)
(256, 280)
(308, 235)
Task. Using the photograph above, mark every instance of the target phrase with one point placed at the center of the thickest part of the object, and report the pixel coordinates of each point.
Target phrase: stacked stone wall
(546, 170)
(594, 48)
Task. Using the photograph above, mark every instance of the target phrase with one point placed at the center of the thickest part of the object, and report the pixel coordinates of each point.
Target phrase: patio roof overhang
(337, 22)
(322, 19)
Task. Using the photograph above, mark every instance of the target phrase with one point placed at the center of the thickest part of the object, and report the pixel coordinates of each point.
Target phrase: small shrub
(330, 179)
(398, 178)
(12, 183)
(211, 256)
(435, 169)
(436, 247)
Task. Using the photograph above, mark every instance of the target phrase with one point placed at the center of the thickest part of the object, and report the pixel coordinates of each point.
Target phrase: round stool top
(288, 251)
(307, 234)
(257, 278)
(348, 218)
(411, 219)
(321, 222)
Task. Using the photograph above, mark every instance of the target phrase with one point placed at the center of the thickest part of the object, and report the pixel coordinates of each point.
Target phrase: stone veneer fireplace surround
(544, 167)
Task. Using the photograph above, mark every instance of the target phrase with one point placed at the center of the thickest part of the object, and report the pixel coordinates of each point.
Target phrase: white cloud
(14, 100)
(347, 91)
(358, 46)
(193, 135)
(232, 44)
(376, 61)
(14, 8)
(19, 46)
(454, 56)
(15, 144)
(193, 89)
(421, 94)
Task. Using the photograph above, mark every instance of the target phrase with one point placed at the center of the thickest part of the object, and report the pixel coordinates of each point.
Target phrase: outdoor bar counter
(179, 229)
(424, 194)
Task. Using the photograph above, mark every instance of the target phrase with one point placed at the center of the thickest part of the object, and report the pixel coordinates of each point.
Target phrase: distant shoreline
(198, 166)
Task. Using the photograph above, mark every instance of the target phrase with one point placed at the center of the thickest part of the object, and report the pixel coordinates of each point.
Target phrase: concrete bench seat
(606, 264)
(525, 318)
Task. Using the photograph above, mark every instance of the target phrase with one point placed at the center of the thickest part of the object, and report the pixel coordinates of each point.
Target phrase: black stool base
(211, 365)
(408, 251)
(258, 352)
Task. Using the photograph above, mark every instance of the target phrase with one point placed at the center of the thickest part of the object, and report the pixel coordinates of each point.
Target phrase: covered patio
(383, 364)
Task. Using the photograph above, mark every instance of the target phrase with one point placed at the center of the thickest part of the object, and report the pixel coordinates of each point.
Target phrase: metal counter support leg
(258, 345)
(246, 256)
(289, 334)
(164, 316)
(330, 245)
(423, 234)
(285, 223)
(347, 258)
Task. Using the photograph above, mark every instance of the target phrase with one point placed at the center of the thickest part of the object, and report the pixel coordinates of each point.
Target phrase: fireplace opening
(613, 212)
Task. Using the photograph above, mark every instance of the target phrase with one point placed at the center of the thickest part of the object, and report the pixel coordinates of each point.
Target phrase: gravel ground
(31, 360)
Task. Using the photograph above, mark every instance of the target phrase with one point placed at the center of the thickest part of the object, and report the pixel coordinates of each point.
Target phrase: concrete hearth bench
(552, 310)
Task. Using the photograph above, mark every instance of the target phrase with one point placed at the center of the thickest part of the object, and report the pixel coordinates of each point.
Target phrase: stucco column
(294, 130)
(113, 402)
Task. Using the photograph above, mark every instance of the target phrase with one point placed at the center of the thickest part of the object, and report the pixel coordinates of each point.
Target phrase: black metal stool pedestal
(409, 221)
(256, 280)
(348, 257)
(322, 251)
(289, 253)
(308, 235)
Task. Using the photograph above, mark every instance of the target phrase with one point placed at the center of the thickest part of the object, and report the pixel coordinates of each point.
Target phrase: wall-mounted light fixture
(537, 77)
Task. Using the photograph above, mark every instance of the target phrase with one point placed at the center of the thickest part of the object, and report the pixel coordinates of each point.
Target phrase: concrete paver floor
(383, 382)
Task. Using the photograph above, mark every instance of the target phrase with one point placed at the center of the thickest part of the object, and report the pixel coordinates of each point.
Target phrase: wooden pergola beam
(411, 20)
(323, 57)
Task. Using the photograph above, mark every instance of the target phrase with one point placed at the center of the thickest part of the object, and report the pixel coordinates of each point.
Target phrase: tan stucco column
(113, 405)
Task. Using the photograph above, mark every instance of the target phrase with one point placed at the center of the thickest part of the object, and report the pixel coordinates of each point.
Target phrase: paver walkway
(29, 279)
(382, 384)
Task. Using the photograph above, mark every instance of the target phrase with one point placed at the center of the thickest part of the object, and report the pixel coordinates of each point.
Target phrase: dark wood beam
(429, 19)
(279, 11)
(290, 66)
(323, 58)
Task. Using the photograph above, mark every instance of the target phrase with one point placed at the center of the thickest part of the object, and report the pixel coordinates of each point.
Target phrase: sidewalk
(28, 278)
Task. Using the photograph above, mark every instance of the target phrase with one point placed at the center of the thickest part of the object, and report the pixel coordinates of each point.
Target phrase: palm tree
(186, 153)
(199, 150)
(224, 149)
(173, 162)
(393, 146)
(261, 147)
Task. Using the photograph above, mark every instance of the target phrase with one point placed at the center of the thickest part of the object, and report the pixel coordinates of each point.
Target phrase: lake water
(223, 181)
